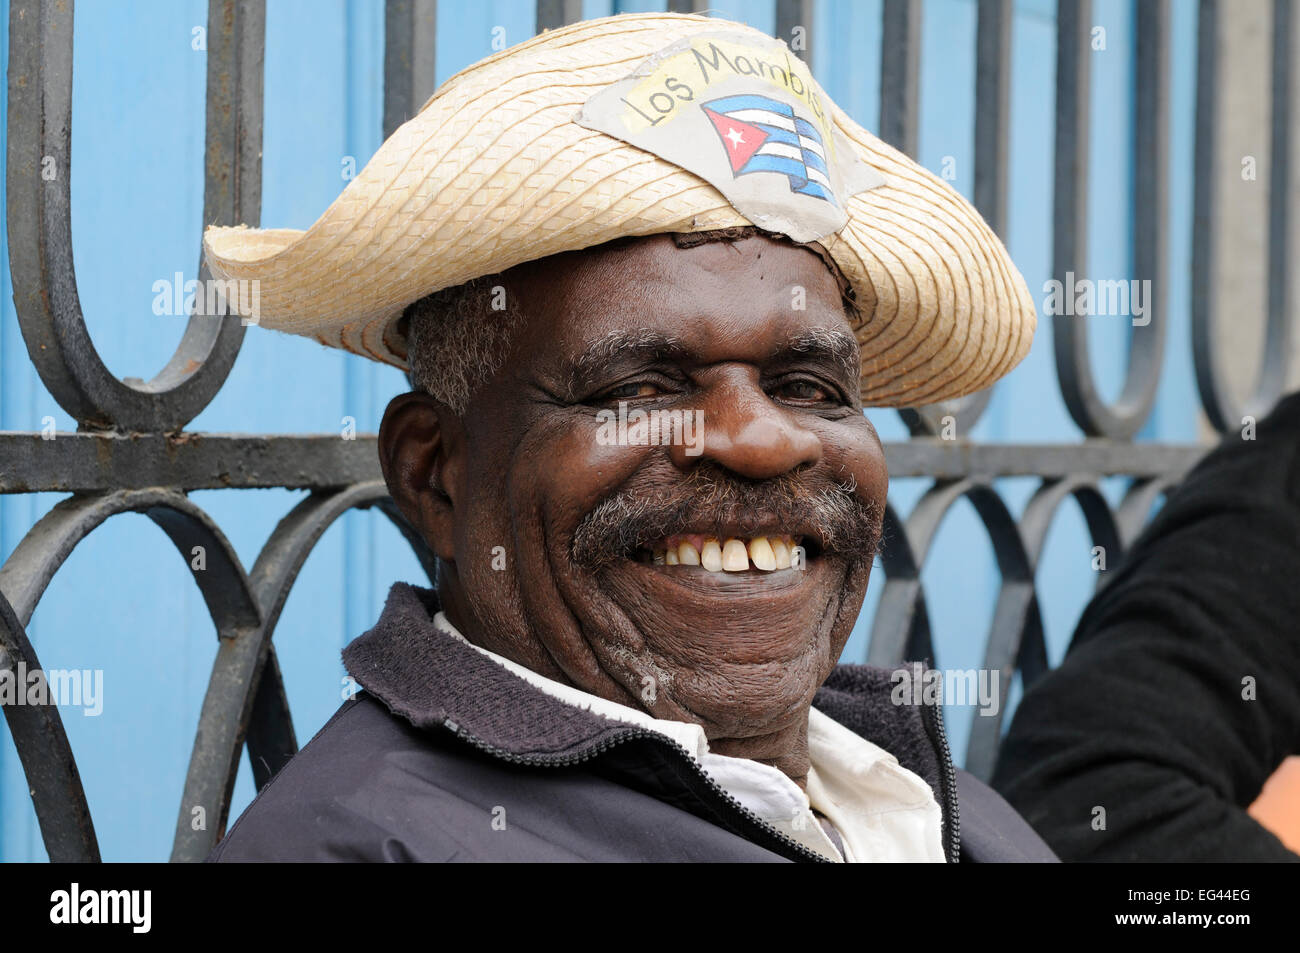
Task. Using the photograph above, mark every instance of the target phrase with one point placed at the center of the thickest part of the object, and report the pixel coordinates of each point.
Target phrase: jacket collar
(436, 681)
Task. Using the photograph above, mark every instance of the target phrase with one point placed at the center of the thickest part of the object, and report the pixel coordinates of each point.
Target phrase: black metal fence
(132, 453)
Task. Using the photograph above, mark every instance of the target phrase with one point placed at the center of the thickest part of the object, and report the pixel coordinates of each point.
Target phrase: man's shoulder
(370, 786)
(992, 831)
(338, 791)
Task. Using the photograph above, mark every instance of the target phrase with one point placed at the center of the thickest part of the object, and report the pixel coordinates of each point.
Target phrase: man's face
(559, 515)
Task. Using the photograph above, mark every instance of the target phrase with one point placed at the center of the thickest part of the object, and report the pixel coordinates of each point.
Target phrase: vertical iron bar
(49, 767)
(1223, 407)
(1282, 265)
(232, 192)
(1205, 243)
(992, 120)
(1070, 210)
(1150, 202)
(992, 111)
(552, 14)
(900, 66)
(410, 33)
(1070, 189)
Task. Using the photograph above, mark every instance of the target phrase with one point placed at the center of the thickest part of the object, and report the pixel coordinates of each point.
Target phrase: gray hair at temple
(456, 340)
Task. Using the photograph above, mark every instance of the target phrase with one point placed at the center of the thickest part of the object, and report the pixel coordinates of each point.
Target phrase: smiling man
(631, 653)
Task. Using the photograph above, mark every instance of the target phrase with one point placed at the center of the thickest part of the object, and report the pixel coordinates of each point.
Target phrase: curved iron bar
(902, 607)
(271, 740)
(48, 765)
(1094, 416)
(1135, 508)
(1037, 518)
(230, 602)
(270, 737)
(1040, 512)
(245, 700)
(40, 223)
(1223, 407)
(928, 419)
(1015, 613)
(992, 115)
(901, 627)
(1016, 639)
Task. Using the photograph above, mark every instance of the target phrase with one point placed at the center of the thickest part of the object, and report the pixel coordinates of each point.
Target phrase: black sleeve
(1180, 694)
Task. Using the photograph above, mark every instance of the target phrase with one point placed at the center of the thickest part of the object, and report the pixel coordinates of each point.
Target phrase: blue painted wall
(125, 602)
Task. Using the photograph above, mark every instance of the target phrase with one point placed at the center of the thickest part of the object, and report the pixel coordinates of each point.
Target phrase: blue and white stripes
(791, 146)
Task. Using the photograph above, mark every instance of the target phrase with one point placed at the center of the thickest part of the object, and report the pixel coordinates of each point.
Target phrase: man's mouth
(768, 552)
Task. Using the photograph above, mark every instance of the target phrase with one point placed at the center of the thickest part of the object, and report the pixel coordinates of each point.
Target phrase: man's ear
(419, 443)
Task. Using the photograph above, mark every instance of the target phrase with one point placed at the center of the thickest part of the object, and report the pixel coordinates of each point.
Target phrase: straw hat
(638, 125)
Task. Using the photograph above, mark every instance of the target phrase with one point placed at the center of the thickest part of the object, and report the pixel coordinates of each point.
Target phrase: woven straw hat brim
(493, 172)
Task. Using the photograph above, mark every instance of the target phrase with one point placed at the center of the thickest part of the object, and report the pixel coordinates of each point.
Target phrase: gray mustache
(828, 513)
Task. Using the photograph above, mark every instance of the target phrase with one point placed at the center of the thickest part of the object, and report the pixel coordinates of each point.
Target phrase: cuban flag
(764, 135)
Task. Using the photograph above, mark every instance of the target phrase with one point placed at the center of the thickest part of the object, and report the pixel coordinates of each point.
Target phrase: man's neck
(786, 750)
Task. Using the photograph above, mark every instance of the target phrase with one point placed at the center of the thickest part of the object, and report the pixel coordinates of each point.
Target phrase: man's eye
(805, 390)
(632, 390)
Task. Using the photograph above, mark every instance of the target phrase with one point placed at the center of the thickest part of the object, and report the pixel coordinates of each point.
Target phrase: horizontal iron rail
(82, 462)
(92, 462)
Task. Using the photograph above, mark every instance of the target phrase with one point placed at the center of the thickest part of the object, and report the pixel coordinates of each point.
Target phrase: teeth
(760, 551)
(711, 556)
(734, 556)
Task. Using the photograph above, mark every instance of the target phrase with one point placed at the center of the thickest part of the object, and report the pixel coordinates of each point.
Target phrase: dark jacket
(446, 755)
(1180, 693)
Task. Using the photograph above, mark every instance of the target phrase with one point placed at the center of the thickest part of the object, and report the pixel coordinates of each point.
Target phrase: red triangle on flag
(741, 139)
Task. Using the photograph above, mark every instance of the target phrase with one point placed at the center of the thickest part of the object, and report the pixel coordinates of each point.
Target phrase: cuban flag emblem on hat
(764, 135)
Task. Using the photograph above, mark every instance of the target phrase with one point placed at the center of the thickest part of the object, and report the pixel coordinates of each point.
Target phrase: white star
(735, 137)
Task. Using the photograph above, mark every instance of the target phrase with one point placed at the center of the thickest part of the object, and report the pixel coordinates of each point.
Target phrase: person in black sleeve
(1180, 693)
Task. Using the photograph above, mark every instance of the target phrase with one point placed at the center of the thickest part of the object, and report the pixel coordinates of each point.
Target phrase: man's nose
(744, 430)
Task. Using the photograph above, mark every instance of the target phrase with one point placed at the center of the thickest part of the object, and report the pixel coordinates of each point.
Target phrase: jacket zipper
(947, 779)
(791, 845)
